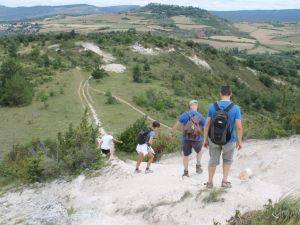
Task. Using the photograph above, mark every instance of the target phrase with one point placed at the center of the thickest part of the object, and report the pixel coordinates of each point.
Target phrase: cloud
(206, 4)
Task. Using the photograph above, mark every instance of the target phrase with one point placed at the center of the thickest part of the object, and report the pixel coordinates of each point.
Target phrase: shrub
(69, 154)
(266, 80)
(137, 74)
(165, 144)
(284, 212)
(154, 99)
(129, 136)
(99, 73)
(16, 92)
(111, 100)
(295, 122)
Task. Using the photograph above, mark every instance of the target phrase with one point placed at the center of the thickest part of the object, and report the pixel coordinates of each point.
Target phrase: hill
(283, 15)
(21, 13)
(185, 17)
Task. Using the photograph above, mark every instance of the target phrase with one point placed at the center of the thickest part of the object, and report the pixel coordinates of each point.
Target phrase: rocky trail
(119, 196)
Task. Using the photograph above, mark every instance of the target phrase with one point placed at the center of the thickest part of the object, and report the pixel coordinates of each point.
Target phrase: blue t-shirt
(234, 114)
(151, 134)
(184, 118)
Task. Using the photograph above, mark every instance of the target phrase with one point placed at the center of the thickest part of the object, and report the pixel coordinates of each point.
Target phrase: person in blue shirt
(187, 143)
(227, 150)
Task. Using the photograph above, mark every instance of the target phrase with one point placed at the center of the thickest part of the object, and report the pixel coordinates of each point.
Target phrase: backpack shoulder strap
(217, 108)
(229, 107)
(191, 117)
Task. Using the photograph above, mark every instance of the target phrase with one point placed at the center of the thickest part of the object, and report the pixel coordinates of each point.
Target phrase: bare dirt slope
(118, 196)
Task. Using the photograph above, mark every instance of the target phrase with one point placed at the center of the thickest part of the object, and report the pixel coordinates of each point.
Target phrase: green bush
(266, 80)
(16, 92)
(129, 136)
(165, 144)
(154, 99)
(137, 74)
(72, 152)
(295, 122)
(111, 100)
(31, 169)
(99, 73)
(284, 212)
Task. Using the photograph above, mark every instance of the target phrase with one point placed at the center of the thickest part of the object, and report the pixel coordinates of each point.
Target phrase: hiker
(192, 123)
(145, 140)
(106, 144)
(222, 118)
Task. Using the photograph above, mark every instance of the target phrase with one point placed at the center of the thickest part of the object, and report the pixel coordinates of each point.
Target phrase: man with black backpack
(222, 118)
(145, 140)
(192, 123)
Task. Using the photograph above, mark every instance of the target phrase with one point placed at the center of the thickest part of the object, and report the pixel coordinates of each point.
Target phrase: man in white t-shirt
(106, 144)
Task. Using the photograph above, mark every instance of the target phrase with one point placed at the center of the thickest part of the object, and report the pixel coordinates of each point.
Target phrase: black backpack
(143, 136)
(219, 131)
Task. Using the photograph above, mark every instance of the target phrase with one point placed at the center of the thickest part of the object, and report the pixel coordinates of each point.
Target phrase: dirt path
(118, 196)
(87, 101)
(130, 105)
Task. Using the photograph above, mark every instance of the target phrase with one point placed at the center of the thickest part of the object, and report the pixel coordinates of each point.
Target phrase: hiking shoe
(209, 185)
(148, 171)
(226, 184)
(199, 169)
(137, 171)
(185, 173)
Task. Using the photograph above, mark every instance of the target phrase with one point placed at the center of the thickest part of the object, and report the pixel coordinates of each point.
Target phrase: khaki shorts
(215, 152)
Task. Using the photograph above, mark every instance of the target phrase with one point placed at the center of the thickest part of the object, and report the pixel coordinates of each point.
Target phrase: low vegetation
(69, 154)
(284, 212)
(214, 195)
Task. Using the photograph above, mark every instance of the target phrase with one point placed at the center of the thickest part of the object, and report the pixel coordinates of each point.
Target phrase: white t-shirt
(107, 142)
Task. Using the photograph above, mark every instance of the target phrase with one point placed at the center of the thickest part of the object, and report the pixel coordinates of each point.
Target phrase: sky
(205, 4)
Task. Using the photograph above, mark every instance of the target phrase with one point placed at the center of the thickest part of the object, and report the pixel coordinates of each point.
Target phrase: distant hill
(284, 15)
(165, 15)
(20, 13)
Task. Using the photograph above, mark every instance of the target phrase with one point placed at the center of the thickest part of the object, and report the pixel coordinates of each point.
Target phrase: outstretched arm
(117, 141)
(175, 127)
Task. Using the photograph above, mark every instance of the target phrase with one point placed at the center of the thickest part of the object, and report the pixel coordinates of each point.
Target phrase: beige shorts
(215, 152)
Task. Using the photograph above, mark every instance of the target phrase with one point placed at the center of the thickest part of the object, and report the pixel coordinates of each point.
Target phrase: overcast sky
(205, 4)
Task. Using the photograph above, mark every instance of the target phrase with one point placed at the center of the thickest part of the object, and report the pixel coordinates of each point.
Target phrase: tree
(9, 68)
(12, 49)
(137, 74)
(266, 80)
(17, 92)
(99, 73)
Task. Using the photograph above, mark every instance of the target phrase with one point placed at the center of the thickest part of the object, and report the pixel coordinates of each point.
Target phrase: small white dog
(246, 174)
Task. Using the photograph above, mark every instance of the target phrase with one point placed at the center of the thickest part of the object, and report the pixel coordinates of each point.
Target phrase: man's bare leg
(199, 157)
(139, 160)
(186, 163)
(226, 169)
(211, 173)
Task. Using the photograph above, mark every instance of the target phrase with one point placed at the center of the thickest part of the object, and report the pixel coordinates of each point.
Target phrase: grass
(284, 212)
(214, 195)
(71, 210)
(21, 124)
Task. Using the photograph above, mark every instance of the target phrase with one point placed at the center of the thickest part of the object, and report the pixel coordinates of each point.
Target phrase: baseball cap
(193, 102)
